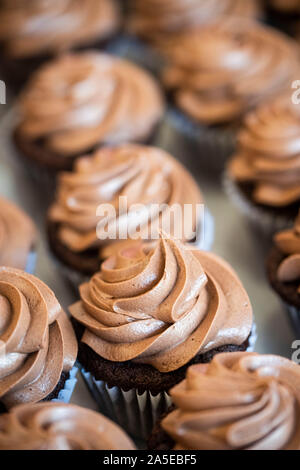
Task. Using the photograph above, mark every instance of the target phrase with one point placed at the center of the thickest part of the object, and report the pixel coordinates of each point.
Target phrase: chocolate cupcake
(37, 343)
(81, 101)
(145, 177)
(34, 32)
(18, 238)
(263, 177)
(240, 401)
(148, 315)
(156, 21)
(57, 426)
(283, 267)
(218, 73)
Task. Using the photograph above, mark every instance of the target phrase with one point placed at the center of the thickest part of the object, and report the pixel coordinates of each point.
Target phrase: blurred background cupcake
(58, 426)
(218, 73)
(283, 268)
(146, 316)
(36, 30)
(240, 401)
(150, 23)
(38, 346)
(80, 237)
(157, 21)
(18, 238)
(263, 177)
(79, 102)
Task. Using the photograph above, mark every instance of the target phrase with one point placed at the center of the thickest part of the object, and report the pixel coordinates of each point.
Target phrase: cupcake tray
(234, 238)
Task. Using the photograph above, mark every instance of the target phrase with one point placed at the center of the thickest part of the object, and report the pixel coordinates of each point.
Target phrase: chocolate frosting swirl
(268, 154)
(35, 27)
(144, 175)
(240, 401)
(17, 235)
(218, 72)
(81, 100)
(163, 306)
(36, 337)
(288, 242)
(57, 426)
(154, 19)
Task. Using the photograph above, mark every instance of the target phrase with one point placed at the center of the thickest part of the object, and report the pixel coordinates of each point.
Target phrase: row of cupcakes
(33, 33)
(82, 100)
(135, 347)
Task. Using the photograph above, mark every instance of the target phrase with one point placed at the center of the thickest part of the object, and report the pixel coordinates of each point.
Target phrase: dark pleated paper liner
(204, 242)
(135, 412)
(267, 222)
(133, 49)
(212, 146)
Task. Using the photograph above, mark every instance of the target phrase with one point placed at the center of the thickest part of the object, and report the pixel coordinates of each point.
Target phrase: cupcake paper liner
(212, 146)
(131, 48)
(205, 242)
(294, 316)
(65, 393)
(136, 413)
(260, 218)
